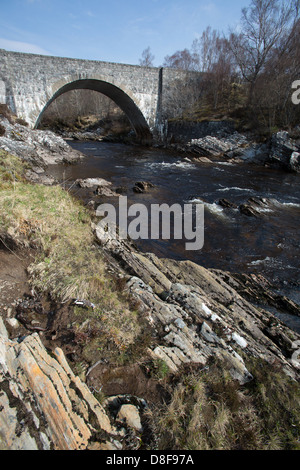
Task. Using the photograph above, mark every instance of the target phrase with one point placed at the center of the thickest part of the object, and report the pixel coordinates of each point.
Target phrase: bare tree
(248, 74)
(272, 94)
(214, 58)
(184, 60)
(205, 49)
(147, 58)
(263, 24)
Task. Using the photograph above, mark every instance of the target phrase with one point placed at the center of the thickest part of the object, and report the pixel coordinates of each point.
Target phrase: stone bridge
(29, 83)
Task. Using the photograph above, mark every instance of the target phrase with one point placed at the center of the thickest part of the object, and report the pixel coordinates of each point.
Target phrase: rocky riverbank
(74, 350)
(217, 139)
(38, 148)
(201, 142)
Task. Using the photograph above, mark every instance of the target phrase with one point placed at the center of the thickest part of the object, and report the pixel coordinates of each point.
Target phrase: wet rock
(105, 191)
(203, 160)
(92, 183)
(226, 203)
(142, 186)
(248, 210)
(91, 204)
(250, 153)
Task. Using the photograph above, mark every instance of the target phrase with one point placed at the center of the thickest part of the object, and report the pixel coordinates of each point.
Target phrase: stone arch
(122, 99)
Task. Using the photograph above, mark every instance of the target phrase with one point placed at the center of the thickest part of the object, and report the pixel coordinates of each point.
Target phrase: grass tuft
(208, 410)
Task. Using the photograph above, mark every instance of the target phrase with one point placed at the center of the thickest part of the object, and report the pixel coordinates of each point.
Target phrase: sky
(111, 30)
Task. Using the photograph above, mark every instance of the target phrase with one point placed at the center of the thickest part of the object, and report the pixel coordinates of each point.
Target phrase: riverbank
(201, 141)
(162, 335)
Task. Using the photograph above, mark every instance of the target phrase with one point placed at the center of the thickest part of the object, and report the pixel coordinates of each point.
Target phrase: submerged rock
(142, 186)
(226, 203)
(39, 177)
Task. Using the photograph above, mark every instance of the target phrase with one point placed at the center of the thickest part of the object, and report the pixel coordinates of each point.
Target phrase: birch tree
(263, 24)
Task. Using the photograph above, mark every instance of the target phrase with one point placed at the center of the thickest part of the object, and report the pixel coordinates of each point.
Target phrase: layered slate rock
(39, 148)
(43, 405)
(199, 314)
(210, 146)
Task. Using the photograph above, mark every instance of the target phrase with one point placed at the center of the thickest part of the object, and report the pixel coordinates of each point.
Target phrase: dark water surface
(234, 242)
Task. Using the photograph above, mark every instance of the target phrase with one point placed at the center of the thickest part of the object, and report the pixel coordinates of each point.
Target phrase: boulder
(211, 146)
(284, 152)
(131, 416)
(248, 210)
(40, 148)
(92, 183)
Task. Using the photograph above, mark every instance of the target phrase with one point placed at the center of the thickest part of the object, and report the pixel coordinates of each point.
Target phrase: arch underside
(125, 103)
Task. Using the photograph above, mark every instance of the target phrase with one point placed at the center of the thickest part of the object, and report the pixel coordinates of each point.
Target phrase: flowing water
(233, 242)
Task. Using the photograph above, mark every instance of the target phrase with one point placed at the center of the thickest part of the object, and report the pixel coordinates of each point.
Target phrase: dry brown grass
(210, 411)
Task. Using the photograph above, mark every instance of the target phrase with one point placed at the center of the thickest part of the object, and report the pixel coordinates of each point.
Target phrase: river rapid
(267, 245)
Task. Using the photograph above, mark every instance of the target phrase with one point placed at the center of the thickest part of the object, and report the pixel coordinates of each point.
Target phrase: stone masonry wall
(30, 81)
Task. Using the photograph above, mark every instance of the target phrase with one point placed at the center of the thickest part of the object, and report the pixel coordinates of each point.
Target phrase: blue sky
(111, 30)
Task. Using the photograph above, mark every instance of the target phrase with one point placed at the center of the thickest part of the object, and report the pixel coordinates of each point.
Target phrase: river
(268, 244)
